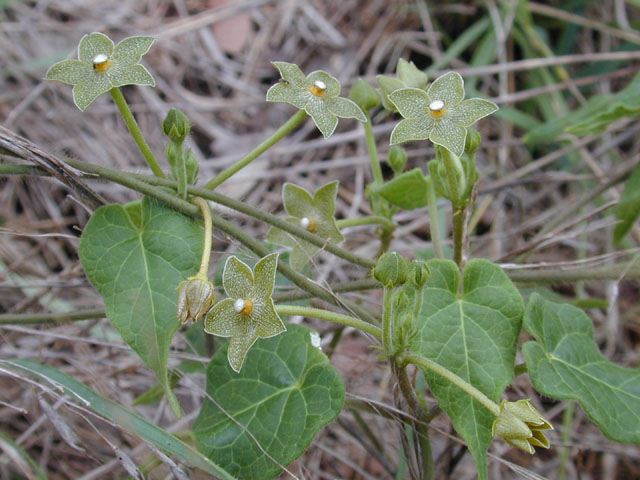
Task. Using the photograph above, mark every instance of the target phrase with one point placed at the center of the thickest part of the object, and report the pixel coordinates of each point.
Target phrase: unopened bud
(521, 425)
(420, 273)
(391, 270)
(195, 298)
(364, 95)
(411, 75)
(176, 125)
(397, 159)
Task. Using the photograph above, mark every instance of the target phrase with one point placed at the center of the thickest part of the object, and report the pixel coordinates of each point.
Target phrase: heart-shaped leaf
(408, 190)
(137, 264)
(285, 393)
(565, 362)
(474, 334)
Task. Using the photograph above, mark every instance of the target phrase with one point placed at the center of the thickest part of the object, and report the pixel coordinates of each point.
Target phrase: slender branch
(19, 169)
(387, 341)
(44, 318)
(136, 133)
(203, 205)
(376, 169)
(463, 385)
(276, 136)
(434, 221)
(368, 220)
(617, 271)
(329, 316)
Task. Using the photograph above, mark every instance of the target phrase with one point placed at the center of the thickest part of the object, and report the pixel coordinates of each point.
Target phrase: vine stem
(387, 341)
(376, 169)
(329, 316)
(275, 137)
(434, 221)
(458, 212)
(203, 205)
(463, 385)
(367, 220)
(136, 133)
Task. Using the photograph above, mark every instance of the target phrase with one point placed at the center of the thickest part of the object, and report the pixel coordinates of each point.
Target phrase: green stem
(368, 220)
(126, 179)
(276, 136)
(27, 170)
(130, 120)
(463, 385)
(567, 423)
(456, 207)
(376, 169)
(32, 318)
(434, 222)
(387, 341)
(206, 249)
(329, 316)
(458, 236)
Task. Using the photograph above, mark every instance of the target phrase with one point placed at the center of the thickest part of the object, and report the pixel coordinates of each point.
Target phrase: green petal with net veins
(267, 415)
(410, 102)
(332, 84)
(130, 75)
(69, 71)
(345, 108)
(130, 50)
(84, 93)
(468, 112)
(269, 322)
(449, 135)
(412, 129)
(265, 276)
(297, 201)
(287, 93)
(565, 362)
(237, 279)
(325, 198)
(449, 88)
(322, 117)
(94, 44)
(292, 74)
(243, 338)
(222, 319)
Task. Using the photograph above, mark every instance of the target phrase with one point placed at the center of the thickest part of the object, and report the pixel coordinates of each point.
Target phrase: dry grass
(223, 95)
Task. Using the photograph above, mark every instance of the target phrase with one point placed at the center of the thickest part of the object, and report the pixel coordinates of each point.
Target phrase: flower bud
(176, 125)
(388, 85)
(411, 75)
(192, 167)
(364, 95)
(521, 425)
(397, 159)
(420, 273)
(472, 142)
(195, 298)
(391, 270)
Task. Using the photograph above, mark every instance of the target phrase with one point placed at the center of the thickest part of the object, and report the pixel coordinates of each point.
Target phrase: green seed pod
(392, 270)
(364, 95)
(397, 159)
(176, 125)
(420, 273)
(411, 75)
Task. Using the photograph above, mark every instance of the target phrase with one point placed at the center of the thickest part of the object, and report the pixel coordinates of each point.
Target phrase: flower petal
(322, 117)
(412, 129)
(345, 108)
(449, 88)
(301, 255)
(449, 135)
(222, 319)
(92, 45)
(332, 83)
(287, 93)
(292, 74)
(410, 102)
(265, 277)
(468, 112)
(130, 50)
(328, 230)
(297, 201)
(69, 71)
(244, 336)
(269, 322)
(84, 93)
(237, 279)
(325, 199)
(130, 75)
(280, 237)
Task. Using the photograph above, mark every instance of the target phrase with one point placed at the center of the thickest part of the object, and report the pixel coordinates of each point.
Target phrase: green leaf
(117, 414)
(564, 362)
(137, 270)
(474, 334)
(408, 190)
(628, 209)
(286, 392)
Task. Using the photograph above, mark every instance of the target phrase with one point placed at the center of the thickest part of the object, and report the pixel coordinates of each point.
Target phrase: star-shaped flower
(314, 213)
(439, 114)
(248, 313)
(521, 425)
(317, 94)
(101, 67)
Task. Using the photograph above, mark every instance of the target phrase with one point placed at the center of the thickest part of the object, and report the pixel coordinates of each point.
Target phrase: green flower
(316, 93)
(521, 425)
(101, 67)
(439, 114)
(195, 297)
(248, 313)
(314, 213)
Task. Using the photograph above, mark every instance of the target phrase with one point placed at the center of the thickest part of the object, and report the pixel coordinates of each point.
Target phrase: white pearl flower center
(239, 305)
(436, 105)
(305, 222)
(100, 58)
(320, 85)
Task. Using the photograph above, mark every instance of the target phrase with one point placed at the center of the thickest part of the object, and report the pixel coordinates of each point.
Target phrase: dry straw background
(211, 59)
